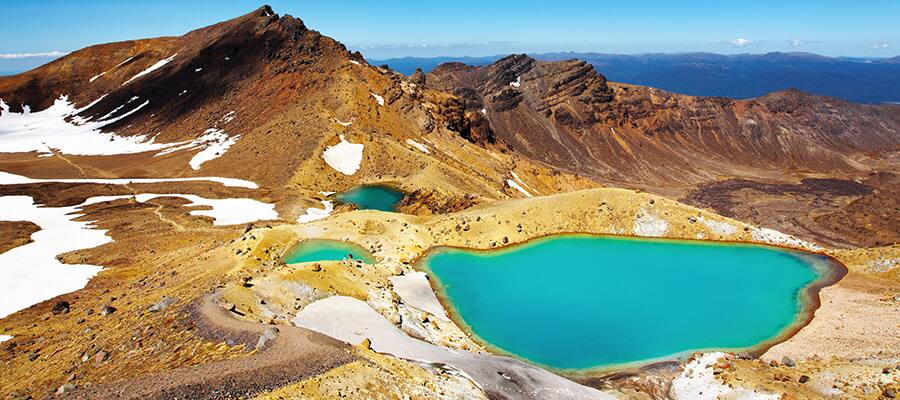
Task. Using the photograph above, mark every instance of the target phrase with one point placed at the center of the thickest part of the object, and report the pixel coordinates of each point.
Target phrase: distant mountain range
(740, 76)
(861, 80)
(14, 65)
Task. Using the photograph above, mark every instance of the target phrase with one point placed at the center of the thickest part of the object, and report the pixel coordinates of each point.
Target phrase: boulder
(164, 302)
(266, 337)
(418, 77)
(66, 389)
(788, 362)
(100, 357)
(61, 307)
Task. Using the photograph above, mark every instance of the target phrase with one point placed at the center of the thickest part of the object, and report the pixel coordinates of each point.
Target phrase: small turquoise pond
(372, 197)
(326, 250)
(581, 302)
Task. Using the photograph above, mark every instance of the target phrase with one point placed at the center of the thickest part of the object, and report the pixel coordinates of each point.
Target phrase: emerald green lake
(581, 302)
(372, 197)
(326, 250)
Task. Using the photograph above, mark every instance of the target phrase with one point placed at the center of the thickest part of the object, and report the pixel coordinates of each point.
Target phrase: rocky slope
(264, 96)
(183, 306)
(567, 115)
(282, 97)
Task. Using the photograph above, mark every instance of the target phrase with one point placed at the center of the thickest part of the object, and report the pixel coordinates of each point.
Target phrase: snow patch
(414, 289)
(159, 64)
(7, 178)
(417, 145)
(48, 129)
(484, 111)
(344, 157)
(513, 184)
(378, 98)
(697, 382)
(4, 338)
(183, 92)
(216, 142)
(516, 177)
(343, 123)
(31, 272)
(771, 236)
(79, 120)
(352, 320)
(517, 82)
(123, 62)
(94, 78)
(649, 224)
(354, 62)
(228, 117)
(115, 110)
(198, 69)
(224, 211)
(315, 214)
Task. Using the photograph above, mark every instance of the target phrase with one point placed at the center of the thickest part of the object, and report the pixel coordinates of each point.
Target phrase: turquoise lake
(372, 197)
(326, 250)
(581, 302)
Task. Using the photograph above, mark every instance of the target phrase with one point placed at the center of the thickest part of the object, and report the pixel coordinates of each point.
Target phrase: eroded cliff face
(568, 115)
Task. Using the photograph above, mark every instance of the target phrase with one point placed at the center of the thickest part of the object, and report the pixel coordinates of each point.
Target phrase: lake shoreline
(382, 196)
(829, 271)
(296, 251)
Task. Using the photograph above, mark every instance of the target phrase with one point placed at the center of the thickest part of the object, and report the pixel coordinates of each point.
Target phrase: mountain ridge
(566, 114)
(195, 294)
(277, 93)
(709, 74)
(294, 92)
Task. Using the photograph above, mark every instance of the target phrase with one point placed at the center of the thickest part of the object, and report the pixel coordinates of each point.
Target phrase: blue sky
(464, 27)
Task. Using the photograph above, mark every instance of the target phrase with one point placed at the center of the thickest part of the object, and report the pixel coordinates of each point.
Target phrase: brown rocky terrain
(15, 233)
(712, 152)
(292, 92)
(184, 308)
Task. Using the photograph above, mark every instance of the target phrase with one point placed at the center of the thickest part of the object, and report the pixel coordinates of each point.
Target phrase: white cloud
(741, 42)
(795, 42)
(474, 49)
(878, 46)
(15, 56)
